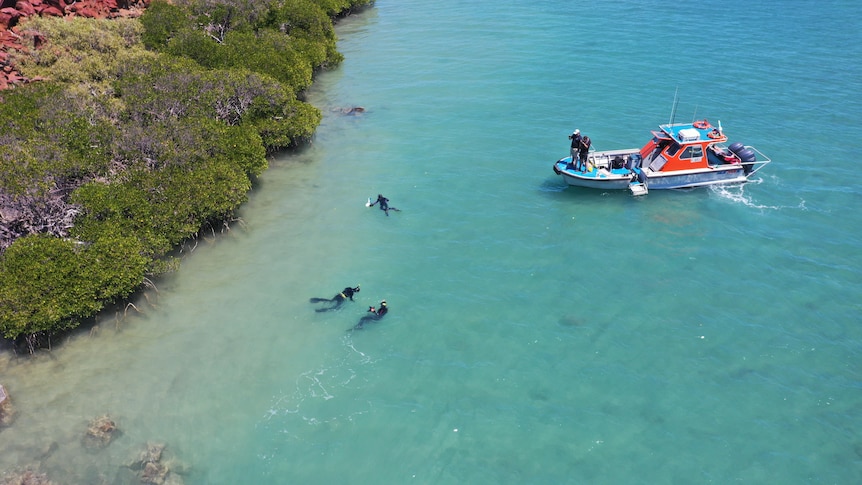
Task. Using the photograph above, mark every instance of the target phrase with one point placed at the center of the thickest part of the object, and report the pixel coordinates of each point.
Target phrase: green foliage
(243, 147)
(297, 122)
(335, 8)
(153, 145)
(161, 22)
(285, 40)
(203, 176)
(47, 283)
(265, 52)
(43, 142)
(302, 17)
(173, 88)
(80, 51)
(198, 46)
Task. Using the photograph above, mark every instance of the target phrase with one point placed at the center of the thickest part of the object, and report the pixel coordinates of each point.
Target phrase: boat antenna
(694, 115)
(675, 100)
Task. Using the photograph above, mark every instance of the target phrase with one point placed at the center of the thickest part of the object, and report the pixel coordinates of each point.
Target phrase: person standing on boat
(584, 151)
(576, 147)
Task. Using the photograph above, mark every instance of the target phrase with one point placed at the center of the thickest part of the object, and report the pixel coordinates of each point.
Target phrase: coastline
(153, 466)
(99, 203)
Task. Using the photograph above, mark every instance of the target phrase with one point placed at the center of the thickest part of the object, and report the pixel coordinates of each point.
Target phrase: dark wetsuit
(576, 147)
(337, 300)
(384, 204)
(376, 314)
(585, 150)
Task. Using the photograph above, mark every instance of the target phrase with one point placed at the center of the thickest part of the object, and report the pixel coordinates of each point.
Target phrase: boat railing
(605, 158)
(760, 161)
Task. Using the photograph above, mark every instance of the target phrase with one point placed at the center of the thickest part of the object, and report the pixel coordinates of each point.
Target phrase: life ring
(701, 125)
(714, 133)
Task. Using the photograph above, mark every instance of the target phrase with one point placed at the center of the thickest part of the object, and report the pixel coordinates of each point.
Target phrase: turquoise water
(536, 333)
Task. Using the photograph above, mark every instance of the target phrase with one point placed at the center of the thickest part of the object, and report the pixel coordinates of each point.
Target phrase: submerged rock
(350, 110)
(25, 477)
(151, 467)
(100, 432)
(7, 412)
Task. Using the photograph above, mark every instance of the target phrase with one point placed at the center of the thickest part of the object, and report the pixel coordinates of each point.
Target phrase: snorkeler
(376, 314)
(384, 204)
(336, 300)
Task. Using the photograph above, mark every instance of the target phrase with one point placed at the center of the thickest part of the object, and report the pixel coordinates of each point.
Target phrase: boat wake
(736, 193)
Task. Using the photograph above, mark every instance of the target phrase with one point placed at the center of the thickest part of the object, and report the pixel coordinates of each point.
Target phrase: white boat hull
(678, 156)
(595, 179)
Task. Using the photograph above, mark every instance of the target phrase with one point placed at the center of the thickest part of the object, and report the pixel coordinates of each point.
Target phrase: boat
(678, 156)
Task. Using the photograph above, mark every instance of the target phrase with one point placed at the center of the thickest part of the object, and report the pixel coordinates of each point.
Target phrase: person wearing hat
(337, 300)
(376, 314)
(576, 147)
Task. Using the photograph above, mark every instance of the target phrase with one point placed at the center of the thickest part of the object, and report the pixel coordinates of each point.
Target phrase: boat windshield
(694, 152)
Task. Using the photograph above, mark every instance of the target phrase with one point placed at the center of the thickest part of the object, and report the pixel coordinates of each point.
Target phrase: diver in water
(336, 300)
(375, 314)
(384, 204)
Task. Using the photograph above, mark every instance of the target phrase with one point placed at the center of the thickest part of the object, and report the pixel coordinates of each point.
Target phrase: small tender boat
(679, 155)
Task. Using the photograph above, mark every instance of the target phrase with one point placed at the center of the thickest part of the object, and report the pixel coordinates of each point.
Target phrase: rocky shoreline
(13, 12)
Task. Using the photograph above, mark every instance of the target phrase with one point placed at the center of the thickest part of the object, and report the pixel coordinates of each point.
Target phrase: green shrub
(146, 147)
(161, 22)
(47, 283)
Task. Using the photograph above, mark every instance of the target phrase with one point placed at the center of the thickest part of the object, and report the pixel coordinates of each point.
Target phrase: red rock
(6, 36)
(26, 8)
(6, 20)
(11, 15)
(10, 39)
(51, 11)
(90, 12)
(35, 3)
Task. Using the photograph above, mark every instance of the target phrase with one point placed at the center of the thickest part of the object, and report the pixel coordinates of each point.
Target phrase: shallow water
(537, 333)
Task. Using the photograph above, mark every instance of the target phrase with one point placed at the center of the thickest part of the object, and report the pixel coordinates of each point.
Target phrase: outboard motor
(736, 147)
(748, 158)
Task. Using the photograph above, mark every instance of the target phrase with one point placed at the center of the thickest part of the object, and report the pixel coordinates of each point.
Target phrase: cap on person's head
(576, 132)
(383, 302)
